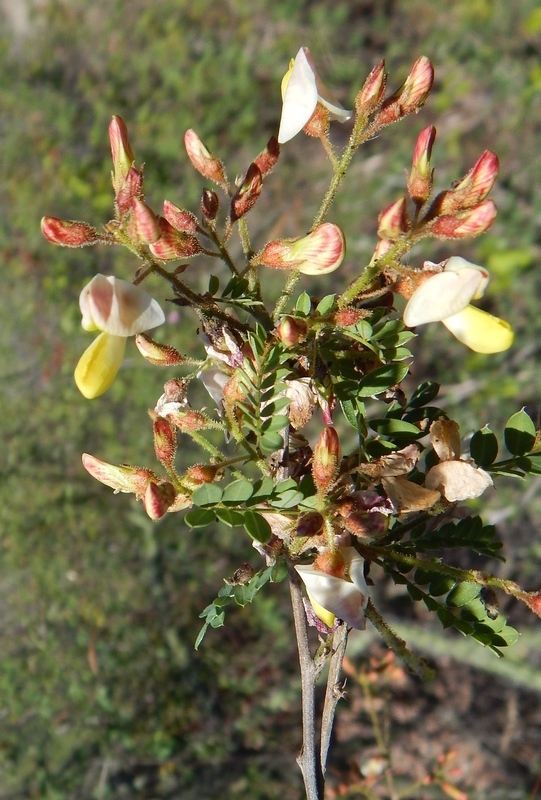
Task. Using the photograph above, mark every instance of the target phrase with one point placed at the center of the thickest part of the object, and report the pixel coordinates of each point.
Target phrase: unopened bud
(371, 95)
(473, 187)
(158, 499)
(175, 390)
(421, 176)
(189, 420)
(132, 480)
(467, 224)
(174, 244)
(393, 221)
(310, 524)
(162, 355)
(326, 459)
(68, 233)
(204, 162)
(146, 225)
(130, 188)
(210, 204)
(266, 160)
(331, 562)
(179, 218)
(165, 441)
(199, 474)
(367, 524)
(319, 252)
(319, 123)
(291, 331)
(349, 316)
(411, 96)
(247, 193)
(121, 152)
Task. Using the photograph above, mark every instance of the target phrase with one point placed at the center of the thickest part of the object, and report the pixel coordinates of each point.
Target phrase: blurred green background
(101, 693)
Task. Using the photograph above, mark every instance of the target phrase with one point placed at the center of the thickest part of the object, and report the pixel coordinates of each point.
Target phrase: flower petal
(118, 307)
(99, 364)
(458, 480)
(443, 295)
(480, 331)
(299, 97)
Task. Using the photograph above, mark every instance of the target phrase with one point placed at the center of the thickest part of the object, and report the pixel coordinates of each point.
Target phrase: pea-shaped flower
(445, 297)
(302, 90)
(118, 309)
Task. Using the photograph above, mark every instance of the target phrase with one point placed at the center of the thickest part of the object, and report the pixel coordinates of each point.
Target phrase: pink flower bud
(179, 218)
(247, 193)
(367, 524)
(349, 316)
(121, 152)
(411, 96)
(174, 244)
(131, 187)
(478, 182)
(319, 252)
(421, 176)
(189, 420)
(132, 480)
(291, 331)
(68, 233)
(210, 204)
(310, 524)
(165, 441)
(202, 159)
(163, 355)
(199, 474)
(393, 221)
(371, 95)
(464, 225)
(326, 459)
(146, 226)
(158, 499)
(266, 160)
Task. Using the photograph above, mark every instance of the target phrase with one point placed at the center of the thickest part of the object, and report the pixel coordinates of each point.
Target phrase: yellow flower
(302, 90)
(118, 309)
(445, 297)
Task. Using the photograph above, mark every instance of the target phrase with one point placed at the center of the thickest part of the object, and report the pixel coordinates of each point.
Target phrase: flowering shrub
(377, 488)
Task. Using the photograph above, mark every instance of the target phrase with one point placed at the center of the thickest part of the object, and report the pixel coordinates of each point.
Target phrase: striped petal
(118, 307)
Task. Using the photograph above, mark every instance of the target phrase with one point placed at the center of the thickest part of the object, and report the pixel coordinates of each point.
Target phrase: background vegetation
(101, 693)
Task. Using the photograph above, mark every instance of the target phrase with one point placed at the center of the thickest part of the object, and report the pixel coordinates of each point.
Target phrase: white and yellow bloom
(117, 309)
(445, 297)
(302, 90)
(333, 597)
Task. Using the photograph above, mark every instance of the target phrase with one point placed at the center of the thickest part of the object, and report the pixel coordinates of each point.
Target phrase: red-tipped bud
(121, 152)
(317, 253)
(132, 480)
(367, 525)
(163, 355)
(189, 420)
(464, 225)
(291, 331)
(326, 459)
(174, 244)
(131, 187)
(333, 563)
(165, 441)
(68, 233)
(210, 204)
(175, 390)
(473, 187)
(204, 162)
(421, 176)
(532, 600)
(371, 95)
(266, 160)
(319, 123)
(158, 499)
(310, 524)
(179, 218)
(349, 316)
(199, 474)
(247, 193)
(145, 224)
(393, 221)
(411, 96)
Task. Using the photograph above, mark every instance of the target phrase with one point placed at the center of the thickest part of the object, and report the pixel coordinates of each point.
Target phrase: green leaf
(440, 585)
(380, 379)
(424, 394)
(484, 447)
(519, 433)
(237, 492)
(261, 490)
(199, 517)
(230, 517)
(257, 527)
(304, 304)
(274, 424)
(214, 284)
(276, 406)
(395, 427)
(350, 411)
(207, 495)
(201, 636)
(325, 304)
(288, 499)
(462, 593)
(271, 442)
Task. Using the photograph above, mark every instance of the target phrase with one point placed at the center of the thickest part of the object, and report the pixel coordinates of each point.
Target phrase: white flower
(445, 297)
(302, 90)
(331, 596)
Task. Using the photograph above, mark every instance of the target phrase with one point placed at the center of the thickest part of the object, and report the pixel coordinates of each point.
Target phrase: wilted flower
(118, 309)
(445, 297)
(454, 477)
(344, 596)
(302, 90)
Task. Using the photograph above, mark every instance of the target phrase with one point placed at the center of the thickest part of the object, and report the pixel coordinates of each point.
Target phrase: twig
(333, 692)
